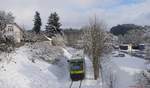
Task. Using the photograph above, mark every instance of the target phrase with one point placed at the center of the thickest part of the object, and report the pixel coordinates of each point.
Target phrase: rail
(72, 85)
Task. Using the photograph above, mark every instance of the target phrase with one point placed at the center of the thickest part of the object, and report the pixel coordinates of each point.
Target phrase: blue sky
(76, 13)
(130, 1)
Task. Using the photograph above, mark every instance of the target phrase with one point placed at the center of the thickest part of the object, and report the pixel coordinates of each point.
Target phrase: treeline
(51, 28)
(131, 33)
(124, 28)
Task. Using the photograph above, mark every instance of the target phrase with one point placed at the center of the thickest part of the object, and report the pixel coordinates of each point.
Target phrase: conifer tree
(53, 24)
(37, 23)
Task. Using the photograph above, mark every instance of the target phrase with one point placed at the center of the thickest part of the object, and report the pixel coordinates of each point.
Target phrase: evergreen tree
(53, 24)
(37, 23)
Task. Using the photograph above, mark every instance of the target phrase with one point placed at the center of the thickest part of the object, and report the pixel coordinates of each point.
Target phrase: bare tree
(6, 42)
(5, 18)
(58, 40)
(94, 43)
(133, 37)
(148, 52)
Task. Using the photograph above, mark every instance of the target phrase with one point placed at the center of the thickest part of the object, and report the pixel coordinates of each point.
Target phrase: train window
(76, 66)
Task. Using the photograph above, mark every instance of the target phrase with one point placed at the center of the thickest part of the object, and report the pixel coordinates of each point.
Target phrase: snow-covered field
(24, 68)
(122, 72)
(44, 66)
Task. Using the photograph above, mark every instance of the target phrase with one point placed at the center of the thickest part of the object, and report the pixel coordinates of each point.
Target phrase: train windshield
(76, 66)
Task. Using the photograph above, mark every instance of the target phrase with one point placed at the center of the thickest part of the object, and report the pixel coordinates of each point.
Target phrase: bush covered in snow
(44, 51)
(58, 40)
(7, 44)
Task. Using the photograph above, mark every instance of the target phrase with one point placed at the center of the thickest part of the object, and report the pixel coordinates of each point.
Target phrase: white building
(15, 31)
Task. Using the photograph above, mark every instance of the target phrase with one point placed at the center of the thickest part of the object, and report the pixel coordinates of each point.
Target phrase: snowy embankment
(39, 66)
(19, 71)
(122, 72)
(44, 66)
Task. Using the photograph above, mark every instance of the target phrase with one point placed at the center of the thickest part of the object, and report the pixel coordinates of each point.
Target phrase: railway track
(75, 84)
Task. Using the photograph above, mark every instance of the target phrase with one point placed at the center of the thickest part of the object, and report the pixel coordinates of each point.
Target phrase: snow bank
(25, 68)
(21, 72)
(89, 81)
(121, 72)
(44, 51)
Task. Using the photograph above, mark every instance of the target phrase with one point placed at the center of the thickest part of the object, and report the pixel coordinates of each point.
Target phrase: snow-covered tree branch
(94, 43)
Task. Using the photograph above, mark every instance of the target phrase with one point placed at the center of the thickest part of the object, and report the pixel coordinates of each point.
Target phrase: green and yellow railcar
(77, 68)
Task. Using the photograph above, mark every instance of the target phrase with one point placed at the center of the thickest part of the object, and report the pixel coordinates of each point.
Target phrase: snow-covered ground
(18, 70)
(50, 69)
(122, 72)
(89, 81)
(21, 72)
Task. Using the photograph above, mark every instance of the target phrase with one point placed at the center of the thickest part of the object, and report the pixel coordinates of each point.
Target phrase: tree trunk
(96, 68)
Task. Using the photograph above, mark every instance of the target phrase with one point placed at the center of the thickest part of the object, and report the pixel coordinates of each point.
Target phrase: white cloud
(75, 13)
(134, 13)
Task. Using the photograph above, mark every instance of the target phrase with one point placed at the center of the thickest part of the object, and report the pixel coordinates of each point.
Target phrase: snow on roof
(17, 26)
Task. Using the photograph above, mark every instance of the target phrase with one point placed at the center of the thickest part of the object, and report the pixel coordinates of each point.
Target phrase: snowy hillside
(21, 72)
(25, 68)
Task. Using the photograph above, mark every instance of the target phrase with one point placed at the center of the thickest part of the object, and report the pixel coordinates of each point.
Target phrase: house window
(10, 28)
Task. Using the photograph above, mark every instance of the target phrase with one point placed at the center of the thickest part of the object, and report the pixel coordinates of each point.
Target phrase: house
(15, 31)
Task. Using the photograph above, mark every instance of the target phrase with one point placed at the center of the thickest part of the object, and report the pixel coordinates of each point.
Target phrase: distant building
(14, 30)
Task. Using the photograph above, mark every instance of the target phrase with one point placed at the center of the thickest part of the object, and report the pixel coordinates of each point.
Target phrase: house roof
(16, 26)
